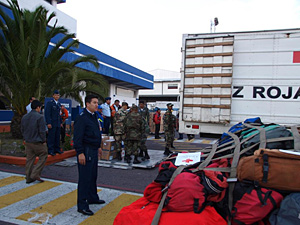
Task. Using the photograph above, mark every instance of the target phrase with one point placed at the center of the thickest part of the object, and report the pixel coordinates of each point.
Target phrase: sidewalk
(54, 202)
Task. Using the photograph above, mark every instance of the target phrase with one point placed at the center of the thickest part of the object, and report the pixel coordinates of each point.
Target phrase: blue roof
(114, 70)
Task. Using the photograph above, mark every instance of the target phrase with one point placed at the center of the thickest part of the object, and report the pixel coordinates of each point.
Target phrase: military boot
(136, 161)
(147, 155)
(141, 154)
(128, 158)
(172, 146)
(167, 151)
(119, 156)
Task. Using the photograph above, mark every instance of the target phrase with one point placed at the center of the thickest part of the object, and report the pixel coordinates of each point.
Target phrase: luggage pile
(243, 179)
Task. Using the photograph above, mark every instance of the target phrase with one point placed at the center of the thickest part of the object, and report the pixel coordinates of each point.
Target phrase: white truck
(228, 77)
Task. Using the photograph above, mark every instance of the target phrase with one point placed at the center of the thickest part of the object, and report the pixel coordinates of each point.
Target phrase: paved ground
(54, 202)
(119, 187)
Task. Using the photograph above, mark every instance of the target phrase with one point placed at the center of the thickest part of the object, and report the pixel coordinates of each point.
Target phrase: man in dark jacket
(33, 128)
(87, 142)
(53, 120)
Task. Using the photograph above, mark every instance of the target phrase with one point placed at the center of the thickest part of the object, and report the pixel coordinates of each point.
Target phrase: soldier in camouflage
(144, 111)
(134, 128)
(169, 128)
(143, 148)
(119, 130)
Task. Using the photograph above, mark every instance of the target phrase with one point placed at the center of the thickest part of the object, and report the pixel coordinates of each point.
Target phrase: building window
(172, 86)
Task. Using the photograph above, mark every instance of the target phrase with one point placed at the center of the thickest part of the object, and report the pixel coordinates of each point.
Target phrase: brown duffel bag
(272, 169)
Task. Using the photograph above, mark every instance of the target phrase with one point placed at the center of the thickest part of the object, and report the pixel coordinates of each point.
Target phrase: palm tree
(31, 65)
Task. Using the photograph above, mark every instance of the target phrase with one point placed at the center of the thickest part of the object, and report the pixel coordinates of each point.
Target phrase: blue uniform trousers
(53, 140)
(87, 183)
(106, 125)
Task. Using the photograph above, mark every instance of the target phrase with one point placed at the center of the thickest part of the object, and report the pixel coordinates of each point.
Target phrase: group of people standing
(129, 127)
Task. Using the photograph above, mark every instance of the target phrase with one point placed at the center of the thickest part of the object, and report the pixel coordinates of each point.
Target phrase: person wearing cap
(119, 131)
(100, 117)
(106, 114)
(169, 128)
(33, 128)
(157, 120)
(53, 121)
(134, 128)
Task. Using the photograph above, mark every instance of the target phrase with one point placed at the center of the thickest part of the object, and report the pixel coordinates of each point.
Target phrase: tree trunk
(15, 126)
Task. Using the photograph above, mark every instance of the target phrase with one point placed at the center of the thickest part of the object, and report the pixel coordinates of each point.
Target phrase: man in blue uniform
(87, 142)
(106, 114)
(53, 121)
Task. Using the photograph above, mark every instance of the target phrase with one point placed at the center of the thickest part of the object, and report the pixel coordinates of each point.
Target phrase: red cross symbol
(187, 160)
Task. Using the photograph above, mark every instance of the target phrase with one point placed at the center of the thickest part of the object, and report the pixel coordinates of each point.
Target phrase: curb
(21, 161)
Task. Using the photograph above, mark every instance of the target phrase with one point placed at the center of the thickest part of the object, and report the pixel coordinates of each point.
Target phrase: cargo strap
(262, 135)
(235, 160)
(156, 217)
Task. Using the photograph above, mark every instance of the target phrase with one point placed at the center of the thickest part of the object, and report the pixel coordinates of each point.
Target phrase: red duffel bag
(141, 212)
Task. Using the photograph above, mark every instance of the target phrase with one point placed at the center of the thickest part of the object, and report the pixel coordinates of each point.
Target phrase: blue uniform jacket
(52, 113)
(86, 132)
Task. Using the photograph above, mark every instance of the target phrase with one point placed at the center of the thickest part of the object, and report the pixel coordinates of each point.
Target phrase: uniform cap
(170, 104)
(99, 106)
(56, 92)
(107, 98)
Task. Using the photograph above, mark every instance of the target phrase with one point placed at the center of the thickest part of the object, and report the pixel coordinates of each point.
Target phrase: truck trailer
(229, 77)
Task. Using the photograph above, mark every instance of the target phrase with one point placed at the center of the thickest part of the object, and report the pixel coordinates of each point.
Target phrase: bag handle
(157, 215)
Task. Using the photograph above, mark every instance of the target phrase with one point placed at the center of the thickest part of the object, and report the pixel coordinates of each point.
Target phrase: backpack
(252, 204)
(186, 194)
(289, 211)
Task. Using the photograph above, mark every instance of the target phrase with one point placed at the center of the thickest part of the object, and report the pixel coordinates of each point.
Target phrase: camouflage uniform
(134, 128)
(169, 127)
(142, 144)
(119, 131)
(145, 113)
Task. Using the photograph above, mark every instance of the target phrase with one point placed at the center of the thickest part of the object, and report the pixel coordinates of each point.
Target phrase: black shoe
(147, 156)
(136, 161)
(97, 202)
(60, 152)
(172, 146)
(128, 158)
(52, 153)
(87, 212)
(30, 181)
(179, 138)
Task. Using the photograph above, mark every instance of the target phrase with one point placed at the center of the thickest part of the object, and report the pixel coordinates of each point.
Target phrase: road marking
(10, 180)
(25, 193)
(108, 213)
(54, 207)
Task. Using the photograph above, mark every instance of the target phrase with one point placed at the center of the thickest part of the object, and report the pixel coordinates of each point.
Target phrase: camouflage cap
(134, 106)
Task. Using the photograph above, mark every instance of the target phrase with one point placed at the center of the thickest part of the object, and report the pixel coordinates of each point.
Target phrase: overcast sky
(147, 34)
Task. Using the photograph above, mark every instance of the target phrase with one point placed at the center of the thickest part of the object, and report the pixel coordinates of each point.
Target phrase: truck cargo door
(208, 79)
